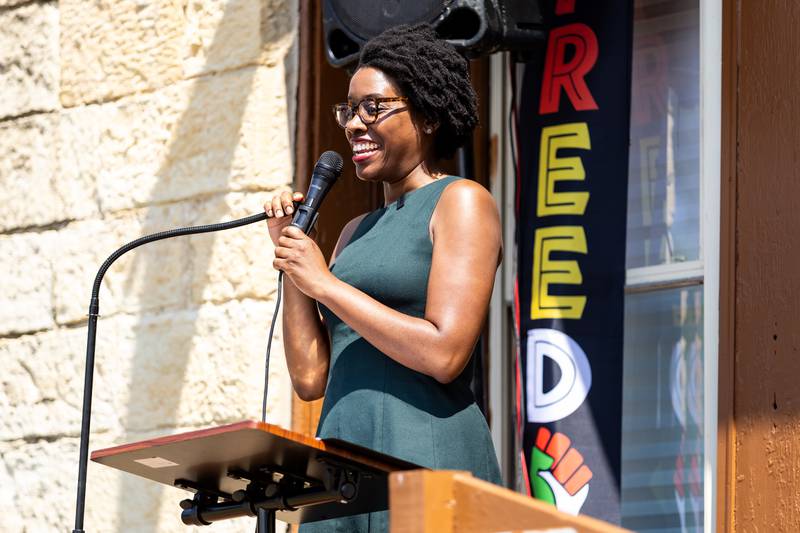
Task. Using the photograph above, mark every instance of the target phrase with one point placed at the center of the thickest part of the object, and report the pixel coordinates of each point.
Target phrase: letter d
(573, 386)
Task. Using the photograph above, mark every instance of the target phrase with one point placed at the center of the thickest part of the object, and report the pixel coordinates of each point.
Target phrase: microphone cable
(269, 347)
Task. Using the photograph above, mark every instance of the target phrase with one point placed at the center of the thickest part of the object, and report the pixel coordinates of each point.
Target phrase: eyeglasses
(368, 109)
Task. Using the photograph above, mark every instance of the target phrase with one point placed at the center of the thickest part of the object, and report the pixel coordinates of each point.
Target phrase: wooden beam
(444, 501)
(766, 402)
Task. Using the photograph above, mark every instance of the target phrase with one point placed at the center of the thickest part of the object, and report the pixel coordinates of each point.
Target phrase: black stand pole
(94, 310)
(88, 378)
(265, 523)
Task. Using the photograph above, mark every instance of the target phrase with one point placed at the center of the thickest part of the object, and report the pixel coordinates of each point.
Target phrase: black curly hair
(433, 76)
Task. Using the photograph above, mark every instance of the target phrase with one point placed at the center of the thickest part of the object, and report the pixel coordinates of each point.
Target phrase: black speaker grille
(368, 18)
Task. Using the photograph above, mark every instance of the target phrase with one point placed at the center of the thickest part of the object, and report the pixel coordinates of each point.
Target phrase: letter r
(568, 75)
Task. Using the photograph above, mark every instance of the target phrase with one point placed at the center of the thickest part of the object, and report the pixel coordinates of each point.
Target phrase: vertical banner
(573, 124)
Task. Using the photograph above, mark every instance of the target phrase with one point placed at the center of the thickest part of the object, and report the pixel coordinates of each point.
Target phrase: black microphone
(326, 172)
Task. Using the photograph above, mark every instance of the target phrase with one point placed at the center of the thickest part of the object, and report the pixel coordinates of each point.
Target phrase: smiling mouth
(363, 150)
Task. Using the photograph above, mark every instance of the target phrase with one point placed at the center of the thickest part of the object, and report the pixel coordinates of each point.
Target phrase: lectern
(255, 469)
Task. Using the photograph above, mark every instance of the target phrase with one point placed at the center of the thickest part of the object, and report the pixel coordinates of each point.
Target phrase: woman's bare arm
(306, 341)
(465, 228)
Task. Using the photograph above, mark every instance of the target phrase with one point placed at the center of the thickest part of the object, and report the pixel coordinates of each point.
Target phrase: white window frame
(710, 180)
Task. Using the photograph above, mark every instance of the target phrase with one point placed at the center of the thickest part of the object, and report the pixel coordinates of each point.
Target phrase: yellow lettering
(547, 271)
(553, 169)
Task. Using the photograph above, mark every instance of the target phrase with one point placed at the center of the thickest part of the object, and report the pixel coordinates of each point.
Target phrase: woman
(408, 286)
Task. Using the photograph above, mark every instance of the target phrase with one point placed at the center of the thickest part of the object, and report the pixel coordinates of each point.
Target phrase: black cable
(269, 346)
(94, 310)
(513, 132)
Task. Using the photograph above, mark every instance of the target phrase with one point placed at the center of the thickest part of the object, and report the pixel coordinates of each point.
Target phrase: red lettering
(569, 76)
(565, 7)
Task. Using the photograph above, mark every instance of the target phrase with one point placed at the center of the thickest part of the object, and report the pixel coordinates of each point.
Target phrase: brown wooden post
(759, 401)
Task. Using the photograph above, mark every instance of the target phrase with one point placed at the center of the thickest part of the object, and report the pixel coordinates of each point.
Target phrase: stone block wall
(120, 118)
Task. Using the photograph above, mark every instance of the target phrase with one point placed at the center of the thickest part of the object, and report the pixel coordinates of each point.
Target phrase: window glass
(663, 404)
(664, 160)
(662, 413)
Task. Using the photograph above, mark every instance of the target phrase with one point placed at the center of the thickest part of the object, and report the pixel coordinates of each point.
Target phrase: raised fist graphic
(558, 475)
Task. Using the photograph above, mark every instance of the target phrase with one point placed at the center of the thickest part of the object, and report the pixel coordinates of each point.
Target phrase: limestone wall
(120, 118)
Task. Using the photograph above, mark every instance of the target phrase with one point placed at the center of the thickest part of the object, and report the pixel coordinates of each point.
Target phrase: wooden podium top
(213, 459)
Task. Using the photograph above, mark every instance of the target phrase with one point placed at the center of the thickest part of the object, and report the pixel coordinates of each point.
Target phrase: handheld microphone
(326, 172)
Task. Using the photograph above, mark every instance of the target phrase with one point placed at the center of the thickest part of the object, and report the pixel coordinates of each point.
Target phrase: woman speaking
(386, 330)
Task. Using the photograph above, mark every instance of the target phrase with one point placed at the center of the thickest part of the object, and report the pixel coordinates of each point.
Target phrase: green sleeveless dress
(370, 399)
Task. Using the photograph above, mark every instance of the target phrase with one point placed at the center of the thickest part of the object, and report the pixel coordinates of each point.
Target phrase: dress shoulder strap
(428, 197)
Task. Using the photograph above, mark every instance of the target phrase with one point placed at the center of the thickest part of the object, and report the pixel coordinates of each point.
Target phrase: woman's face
(392, 146)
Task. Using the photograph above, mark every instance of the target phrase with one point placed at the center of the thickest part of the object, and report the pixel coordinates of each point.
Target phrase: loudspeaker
(476, 27)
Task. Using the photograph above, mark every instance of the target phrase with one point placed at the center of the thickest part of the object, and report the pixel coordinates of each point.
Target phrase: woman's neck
(419, 177)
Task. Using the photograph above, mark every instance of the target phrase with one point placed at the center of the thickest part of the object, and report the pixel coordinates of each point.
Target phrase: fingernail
(289, 210)
(269, 213)
(278, 213)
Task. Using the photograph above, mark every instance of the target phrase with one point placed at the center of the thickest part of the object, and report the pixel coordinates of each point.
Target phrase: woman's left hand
(299, 257)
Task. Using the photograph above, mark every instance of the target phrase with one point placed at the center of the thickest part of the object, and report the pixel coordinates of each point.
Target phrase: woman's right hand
(279, 210)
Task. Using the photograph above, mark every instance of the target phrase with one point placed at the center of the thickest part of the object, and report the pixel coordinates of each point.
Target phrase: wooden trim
(425, 501)
(309, 33)
(726, 430)
(307, 134)
(480, 78)
(305, 415)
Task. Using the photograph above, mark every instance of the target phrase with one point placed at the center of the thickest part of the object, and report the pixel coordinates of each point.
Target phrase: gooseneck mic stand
(325, 174)
(94, 310)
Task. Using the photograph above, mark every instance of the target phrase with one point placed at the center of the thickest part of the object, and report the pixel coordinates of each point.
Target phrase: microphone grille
(332, 161)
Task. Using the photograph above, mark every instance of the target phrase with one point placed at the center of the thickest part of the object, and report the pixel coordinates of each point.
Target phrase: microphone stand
(94, 310)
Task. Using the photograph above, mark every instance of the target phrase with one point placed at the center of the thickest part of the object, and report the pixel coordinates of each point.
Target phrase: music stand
(251, 468)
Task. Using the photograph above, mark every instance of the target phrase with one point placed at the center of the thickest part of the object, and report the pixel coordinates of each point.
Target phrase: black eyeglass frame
(356, 109)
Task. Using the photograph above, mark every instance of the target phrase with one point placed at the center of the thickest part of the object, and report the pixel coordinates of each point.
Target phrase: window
(665, 408)
(672, 269)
